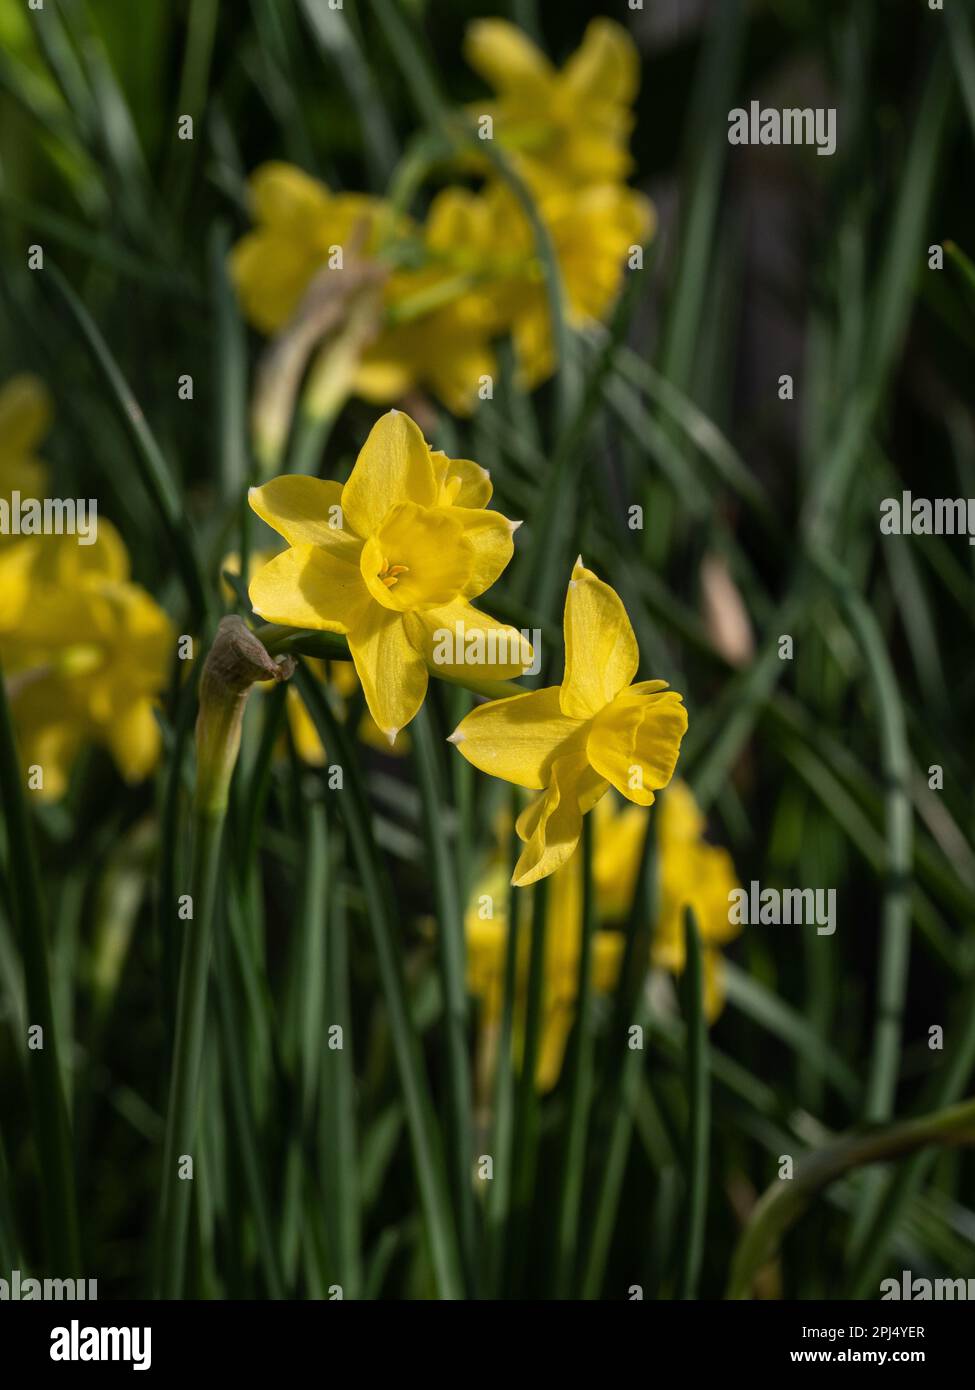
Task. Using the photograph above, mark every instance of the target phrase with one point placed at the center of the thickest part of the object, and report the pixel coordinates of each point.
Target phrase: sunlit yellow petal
(305, 511)
(491, 537)
(461, 482)
(517, 739)
(635, 741)
(393, 466)
(306, 586)
(457, 639)
(392, 672)
(601, 655)
(553, 824)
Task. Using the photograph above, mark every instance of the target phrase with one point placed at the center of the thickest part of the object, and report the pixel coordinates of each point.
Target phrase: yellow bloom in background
(25, 416)
(592, 231)
(479, 276)
(434, 333)
(572, 742)
(391, 559)
(690, 872)
(86, 659)
(574, 123)
(440, 317)
(299, 220)
(693, 874)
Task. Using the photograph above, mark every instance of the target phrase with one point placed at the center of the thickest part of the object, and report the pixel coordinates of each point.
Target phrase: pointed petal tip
(391, 735)
(455, 737)
(515, 524)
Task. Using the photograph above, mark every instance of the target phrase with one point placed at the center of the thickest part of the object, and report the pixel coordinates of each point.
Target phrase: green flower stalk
(236, 660)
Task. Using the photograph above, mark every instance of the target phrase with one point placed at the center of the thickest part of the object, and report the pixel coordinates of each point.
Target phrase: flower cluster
(471, 273)
(690, 873)
(85, 651)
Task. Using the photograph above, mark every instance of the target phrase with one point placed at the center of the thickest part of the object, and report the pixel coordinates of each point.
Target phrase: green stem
(450, 938)
(526, 1110)
(783, 1202)
(342, 1182)
(699, 1107)
(421, 1118)
(43, 1067)
(499, 1195)
(580, 1084)
(181, 1117)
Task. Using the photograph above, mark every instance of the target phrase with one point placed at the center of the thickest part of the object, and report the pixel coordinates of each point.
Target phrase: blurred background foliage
(761, 519)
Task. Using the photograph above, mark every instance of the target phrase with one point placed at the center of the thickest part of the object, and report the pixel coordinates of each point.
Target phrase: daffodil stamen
(389, 574)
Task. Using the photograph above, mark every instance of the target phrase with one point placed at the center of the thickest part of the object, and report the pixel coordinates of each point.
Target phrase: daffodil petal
(306, 511)
(462, 483)
(505, 56)
(134, 739)
(601, 654)
(607, 952)
(282, 195)
(551, 826)
(606, 65)
(306, 586)
(25, 413)
(557, 1021)
(517, 739)
(457, 639)
(491, 536)
(393, 466)
(679, 819)
(635, 742)
(392, 671)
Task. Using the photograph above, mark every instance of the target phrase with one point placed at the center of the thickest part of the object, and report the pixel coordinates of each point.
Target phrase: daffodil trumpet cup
(236, 661)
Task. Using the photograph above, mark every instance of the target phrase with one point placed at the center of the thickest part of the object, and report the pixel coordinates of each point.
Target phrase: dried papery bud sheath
(236, 660)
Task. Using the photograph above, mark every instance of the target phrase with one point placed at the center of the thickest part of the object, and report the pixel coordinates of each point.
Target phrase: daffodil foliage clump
(486, 794)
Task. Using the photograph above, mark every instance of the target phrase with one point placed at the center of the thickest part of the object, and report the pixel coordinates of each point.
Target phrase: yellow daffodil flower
(690, 872)
(299, 222)
(391, 559)
(575, 740)
(574, 123)
(87, 659)
(434, 331)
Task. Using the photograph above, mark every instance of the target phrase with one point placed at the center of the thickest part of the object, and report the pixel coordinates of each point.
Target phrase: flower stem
(42, 1068)
(235, 661)
(190, 1027)
(580, 1085)
(699, 1108)
(450, 937)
